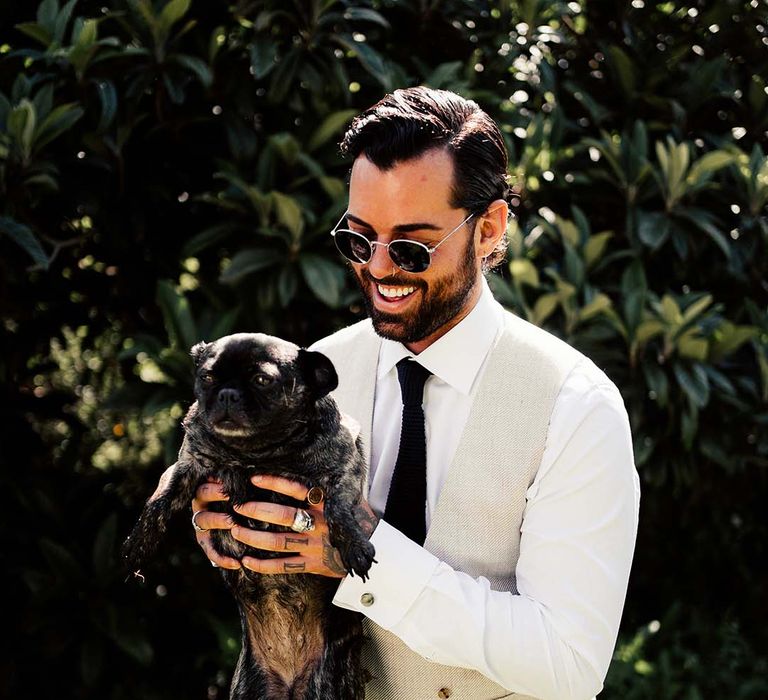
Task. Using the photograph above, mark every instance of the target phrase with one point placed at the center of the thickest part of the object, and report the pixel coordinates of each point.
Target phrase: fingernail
(257, 478)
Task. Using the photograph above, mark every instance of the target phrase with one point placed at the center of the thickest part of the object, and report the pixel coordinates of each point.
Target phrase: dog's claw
(358, 558)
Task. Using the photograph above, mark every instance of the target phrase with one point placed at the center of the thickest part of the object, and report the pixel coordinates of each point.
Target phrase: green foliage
(169, 173)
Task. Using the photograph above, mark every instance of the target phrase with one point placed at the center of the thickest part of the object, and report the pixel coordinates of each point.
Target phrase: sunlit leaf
(524, 272)
(289, 213)
(173, 12)
(330, 126)
(544, 307)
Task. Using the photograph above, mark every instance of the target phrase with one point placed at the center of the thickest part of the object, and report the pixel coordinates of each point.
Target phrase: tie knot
(412, 377)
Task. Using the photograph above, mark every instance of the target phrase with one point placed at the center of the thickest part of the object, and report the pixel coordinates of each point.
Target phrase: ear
(318, 372)
(198, 353)
(491, 226)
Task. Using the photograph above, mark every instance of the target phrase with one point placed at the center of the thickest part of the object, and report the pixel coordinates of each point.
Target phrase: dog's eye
(206, 377)
(262, 379)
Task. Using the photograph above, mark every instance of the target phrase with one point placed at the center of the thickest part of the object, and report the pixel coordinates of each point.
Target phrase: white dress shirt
(577, 536)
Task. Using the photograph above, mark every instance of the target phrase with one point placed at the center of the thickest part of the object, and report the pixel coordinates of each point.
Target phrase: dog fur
(263, 408)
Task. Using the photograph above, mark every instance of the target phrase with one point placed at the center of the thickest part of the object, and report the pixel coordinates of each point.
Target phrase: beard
(441, 300)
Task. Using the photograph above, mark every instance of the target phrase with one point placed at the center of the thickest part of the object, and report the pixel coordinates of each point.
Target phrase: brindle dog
(263, 408)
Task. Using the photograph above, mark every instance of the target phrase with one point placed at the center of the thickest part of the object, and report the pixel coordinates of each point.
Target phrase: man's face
(411, 200)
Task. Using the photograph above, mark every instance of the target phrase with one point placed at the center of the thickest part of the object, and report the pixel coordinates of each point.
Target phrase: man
(531, 497)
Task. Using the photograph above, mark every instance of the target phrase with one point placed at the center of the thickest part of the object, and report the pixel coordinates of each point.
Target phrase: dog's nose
(227, 397)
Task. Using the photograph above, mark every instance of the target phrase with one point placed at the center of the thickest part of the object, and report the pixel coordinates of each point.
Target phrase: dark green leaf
(363, 14)
(249, 261)
(61, 561)
(108, 99)
(62, 20)
(197, 66)
(287, 284)
(263, 55)
(208, 237)
(657, 381)
(43, 101)
(623, 68)
(574, 266)
(56, 123)
(323, 277)
(369, 58)
(24, 237)
(705, 221)
(46, 13)
(652, 228)
(179, 323)
(694, 382)
(36, 31)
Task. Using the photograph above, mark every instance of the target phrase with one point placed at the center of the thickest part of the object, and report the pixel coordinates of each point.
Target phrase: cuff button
(444, 693)
(367, 599)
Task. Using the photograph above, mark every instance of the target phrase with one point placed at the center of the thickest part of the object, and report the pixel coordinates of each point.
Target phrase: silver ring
(194, 523)
(302, 521)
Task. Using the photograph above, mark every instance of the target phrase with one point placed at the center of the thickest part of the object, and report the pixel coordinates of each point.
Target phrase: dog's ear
(199, 353)
(318, 372)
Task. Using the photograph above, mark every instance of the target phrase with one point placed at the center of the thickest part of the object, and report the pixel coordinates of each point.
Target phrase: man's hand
(209, 520)
(314, 553)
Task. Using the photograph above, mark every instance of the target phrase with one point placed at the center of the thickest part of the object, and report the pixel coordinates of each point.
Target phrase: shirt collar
(456, 357)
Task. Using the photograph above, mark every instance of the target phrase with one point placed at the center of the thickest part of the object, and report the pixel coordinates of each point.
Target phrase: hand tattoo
(366, 518)
(301, 541)
(293, 568)
(332, 558)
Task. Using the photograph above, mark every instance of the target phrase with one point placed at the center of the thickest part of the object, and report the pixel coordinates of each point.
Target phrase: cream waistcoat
(496, 461)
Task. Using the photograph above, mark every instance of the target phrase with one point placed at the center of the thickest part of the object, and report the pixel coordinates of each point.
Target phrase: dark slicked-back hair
(408, 123)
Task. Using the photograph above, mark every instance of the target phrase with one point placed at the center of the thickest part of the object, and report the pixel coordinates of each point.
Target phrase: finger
(210, 520)
(205, 542)
(282, 485)
(272, 541)
(207, 493)
(289, 565)
(274, 513)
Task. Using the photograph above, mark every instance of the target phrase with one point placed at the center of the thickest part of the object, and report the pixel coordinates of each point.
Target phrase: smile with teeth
(395, 292)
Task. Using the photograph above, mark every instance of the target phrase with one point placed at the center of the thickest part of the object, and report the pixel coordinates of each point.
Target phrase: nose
(227, 397)
(380, 265)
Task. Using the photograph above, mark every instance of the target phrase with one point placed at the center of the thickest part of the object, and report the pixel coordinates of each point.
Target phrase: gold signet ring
(315, 496)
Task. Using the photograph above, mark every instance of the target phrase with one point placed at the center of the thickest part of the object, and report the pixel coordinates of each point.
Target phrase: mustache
(393, 280)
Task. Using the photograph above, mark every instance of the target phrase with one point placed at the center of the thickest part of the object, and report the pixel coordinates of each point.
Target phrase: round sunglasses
(409, 256)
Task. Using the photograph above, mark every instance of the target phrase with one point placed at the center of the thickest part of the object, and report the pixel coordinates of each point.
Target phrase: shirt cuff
(398, 577)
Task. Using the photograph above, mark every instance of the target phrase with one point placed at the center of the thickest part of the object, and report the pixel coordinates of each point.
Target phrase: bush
(169, 172)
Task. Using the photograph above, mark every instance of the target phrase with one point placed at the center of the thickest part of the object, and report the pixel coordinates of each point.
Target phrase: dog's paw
(358, 557)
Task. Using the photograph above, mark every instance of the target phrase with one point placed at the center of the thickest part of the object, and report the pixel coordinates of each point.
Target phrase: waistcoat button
(444, 693)
(367, 599)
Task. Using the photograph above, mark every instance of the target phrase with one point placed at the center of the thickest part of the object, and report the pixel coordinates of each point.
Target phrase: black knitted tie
(406, 502)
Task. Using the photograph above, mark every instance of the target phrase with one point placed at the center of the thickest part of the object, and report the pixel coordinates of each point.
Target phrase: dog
(263, 407)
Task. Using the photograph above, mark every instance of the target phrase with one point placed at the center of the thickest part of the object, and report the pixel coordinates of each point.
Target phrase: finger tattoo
(300, 541)
(294, 567)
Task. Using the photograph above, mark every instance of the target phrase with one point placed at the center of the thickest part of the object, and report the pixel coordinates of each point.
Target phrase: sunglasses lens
(409, 256)
(353, 246)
